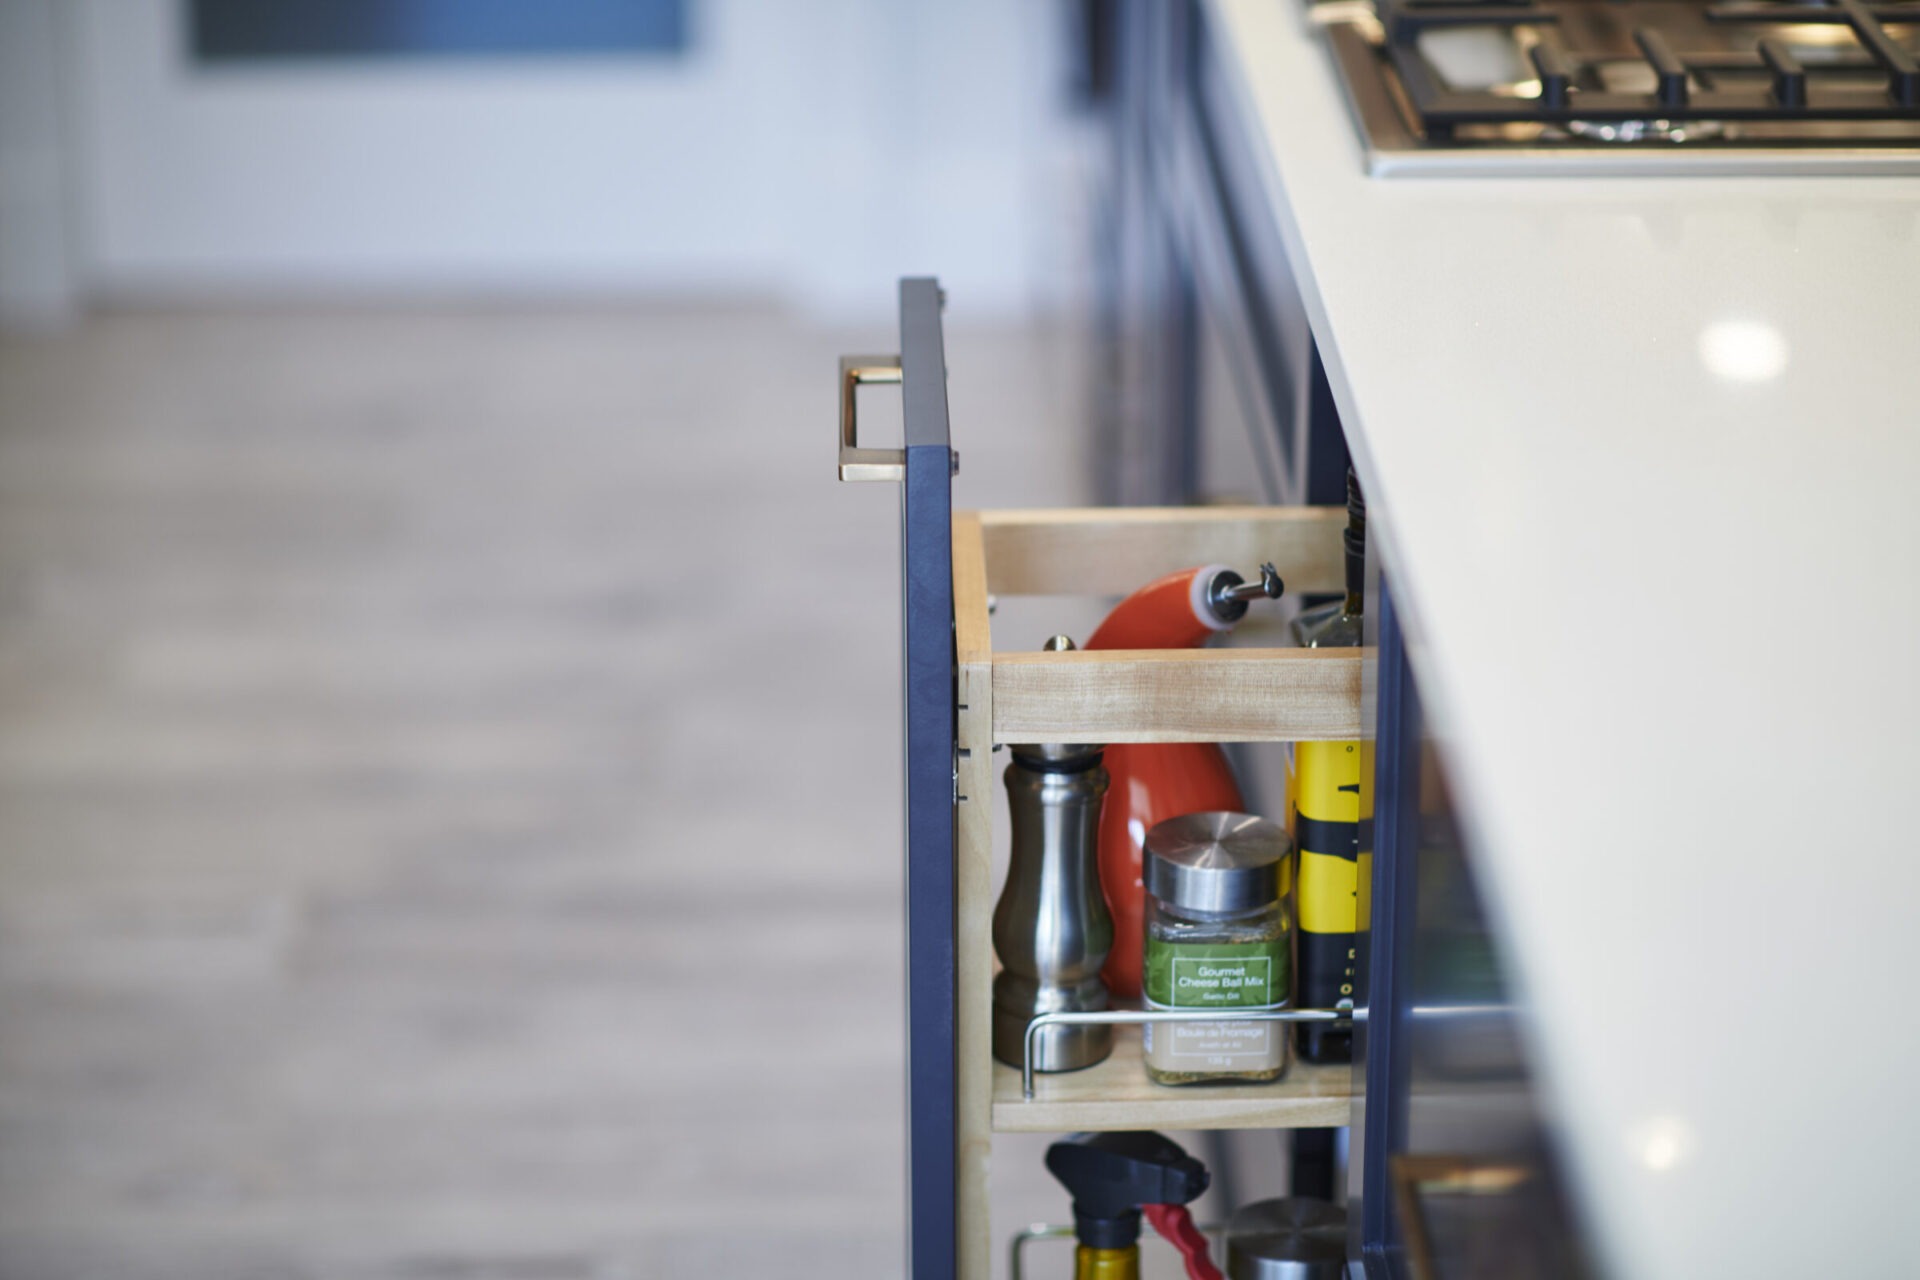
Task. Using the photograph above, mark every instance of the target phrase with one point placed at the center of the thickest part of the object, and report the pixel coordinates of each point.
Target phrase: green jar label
(1216, 975)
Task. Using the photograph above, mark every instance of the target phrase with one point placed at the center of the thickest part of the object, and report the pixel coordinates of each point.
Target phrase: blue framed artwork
(239, 31)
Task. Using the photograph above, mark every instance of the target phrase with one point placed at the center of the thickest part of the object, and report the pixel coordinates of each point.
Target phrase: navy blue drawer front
(926, 541)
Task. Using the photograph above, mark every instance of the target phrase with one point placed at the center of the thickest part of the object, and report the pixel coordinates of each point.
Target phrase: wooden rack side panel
(973, 902)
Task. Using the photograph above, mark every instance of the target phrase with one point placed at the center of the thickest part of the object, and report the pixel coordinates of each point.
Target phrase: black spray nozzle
(1110, 1175)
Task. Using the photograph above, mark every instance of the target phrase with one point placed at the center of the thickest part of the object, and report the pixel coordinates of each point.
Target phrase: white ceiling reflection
(1661, 1143)
(1743, 350)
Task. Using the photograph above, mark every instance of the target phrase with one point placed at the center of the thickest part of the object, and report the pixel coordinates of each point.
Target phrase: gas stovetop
(1631, 86)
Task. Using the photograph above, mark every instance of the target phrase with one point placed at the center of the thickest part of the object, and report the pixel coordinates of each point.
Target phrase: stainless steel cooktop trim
(1394, 151)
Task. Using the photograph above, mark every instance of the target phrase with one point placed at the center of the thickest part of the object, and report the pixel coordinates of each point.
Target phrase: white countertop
(1644, 455)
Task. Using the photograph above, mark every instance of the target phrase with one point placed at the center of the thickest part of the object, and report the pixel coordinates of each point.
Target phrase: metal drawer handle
(857, 463)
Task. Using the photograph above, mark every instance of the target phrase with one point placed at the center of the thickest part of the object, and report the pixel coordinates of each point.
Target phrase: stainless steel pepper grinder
(1051, 927)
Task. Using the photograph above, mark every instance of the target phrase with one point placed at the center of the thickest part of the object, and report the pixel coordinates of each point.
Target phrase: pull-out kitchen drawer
(963, 698)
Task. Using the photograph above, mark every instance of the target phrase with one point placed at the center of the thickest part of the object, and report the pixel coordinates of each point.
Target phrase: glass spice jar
(1217, 937)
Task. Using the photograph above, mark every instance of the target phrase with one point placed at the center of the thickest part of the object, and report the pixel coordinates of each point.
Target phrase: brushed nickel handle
(857, 463)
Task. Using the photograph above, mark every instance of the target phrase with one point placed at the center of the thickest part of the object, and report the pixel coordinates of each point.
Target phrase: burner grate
(1877, 80)
(1867, 21)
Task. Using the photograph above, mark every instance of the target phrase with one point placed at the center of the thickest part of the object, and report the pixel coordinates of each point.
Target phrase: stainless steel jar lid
(1216, 861)
(1294, 1238)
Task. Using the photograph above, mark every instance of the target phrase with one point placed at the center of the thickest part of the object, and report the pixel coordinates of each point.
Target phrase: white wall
(813, 149)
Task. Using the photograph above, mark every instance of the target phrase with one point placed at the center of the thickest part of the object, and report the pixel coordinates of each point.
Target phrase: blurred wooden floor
(448, 820)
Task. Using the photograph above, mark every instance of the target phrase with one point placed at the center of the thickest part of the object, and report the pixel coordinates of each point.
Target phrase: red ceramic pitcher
(1152, 781)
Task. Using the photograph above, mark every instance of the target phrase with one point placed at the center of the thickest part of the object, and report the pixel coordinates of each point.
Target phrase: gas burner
(1632, 131)
(1629, 85)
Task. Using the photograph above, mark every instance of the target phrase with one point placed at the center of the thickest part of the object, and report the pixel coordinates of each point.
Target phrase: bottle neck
(1355, 541)
(1356, 605)
(1090, 1263)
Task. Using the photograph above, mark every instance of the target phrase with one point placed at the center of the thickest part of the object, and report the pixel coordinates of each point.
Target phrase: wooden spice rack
(1204, 695)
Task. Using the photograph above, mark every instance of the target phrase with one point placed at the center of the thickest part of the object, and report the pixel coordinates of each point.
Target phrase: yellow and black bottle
(1110, 1176)
(1331, 789)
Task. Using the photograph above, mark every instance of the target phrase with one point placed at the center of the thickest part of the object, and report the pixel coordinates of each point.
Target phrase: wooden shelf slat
(1178, 695)
(1109, 551)
(1116, 1094)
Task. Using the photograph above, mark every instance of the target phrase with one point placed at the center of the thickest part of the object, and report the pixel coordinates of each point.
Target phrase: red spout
(1175, 1225)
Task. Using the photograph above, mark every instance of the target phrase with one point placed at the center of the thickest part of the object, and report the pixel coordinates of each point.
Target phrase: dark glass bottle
(1337, 625)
